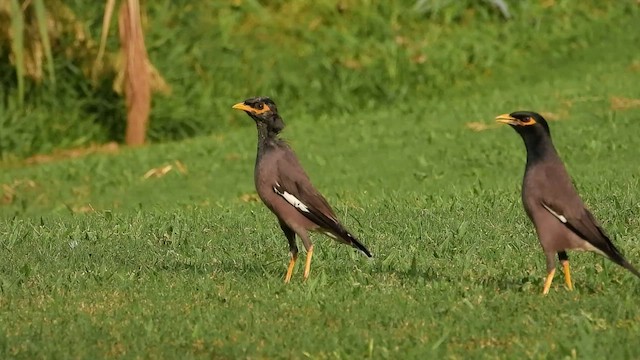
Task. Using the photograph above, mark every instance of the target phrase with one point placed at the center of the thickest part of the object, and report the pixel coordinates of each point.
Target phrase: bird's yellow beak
(507, 119)
(243, 107)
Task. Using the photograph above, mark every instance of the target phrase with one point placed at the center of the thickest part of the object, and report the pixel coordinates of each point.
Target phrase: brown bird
(285, 188)
(561, 219)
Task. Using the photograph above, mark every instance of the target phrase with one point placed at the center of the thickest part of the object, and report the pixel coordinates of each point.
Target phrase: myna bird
(561, 219)
(285, 188)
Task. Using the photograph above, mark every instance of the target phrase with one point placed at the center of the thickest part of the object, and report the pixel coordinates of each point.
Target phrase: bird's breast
(530, 193)
(265, 174)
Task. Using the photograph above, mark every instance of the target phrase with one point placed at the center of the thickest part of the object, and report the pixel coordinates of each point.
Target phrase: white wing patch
(560, 217)
(291, 199)
(330, 235)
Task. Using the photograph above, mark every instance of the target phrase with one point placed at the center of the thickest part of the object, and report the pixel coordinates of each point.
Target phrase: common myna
(285, 188)
(552, 203)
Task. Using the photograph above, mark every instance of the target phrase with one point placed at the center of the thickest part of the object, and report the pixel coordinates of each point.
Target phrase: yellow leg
(292, 263)
(567, 274)
(547, 282)
(307, 265)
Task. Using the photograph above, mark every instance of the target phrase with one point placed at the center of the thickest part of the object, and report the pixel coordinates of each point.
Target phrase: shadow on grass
(345, 272)
(495, 282)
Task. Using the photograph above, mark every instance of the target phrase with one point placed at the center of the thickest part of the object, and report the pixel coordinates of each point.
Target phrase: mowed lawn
(98, 261)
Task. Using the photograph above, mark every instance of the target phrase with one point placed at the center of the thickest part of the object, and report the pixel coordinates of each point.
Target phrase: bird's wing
(294, 186)
(564, 203)
(580, 221)
(557, 195)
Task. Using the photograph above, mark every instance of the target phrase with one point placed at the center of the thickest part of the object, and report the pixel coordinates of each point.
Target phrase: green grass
(181, 266)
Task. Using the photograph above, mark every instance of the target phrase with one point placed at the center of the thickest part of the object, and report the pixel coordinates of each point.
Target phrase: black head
(263, 110)
(526, 123)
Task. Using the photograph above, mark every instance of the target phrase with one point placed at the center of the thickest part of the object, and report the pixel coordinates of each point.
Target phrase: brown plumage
(285, 188)
(561, 219)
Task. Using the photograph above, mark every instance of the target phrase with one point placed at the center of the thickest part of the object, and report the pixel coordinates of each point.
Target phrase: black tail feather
(630, 267)
(357, 244)
(335, 228)
(617, 257)
(625, 264)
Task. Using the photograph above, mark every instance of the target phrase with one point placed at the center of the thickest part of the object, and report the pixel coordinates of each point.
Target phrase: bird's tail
(357, 244)
(620, 260)
(630, 267)
(336, 231)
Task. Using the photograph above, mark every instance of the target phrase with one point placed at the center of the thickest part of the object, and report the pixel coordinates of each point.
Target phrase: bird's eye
(528, 121)
(260, 106)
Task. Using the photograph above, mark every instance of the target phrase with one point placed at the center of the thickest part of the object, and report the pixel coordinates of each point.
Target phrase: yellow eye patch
(244, 107)
(528, 121)
(264, 109)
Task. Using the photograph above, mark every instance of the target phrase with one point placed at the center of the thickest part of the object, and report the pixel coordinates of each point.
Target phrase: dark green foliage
(97, 262)
(320, 57)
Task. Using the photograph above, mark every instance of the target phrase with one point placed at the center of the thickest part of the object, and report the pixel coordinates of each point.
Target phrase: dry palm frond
(41, 19)
(157, 83)
(37, 29)
(34, 32)
(16, 35)
(136, 76)
(98, 65)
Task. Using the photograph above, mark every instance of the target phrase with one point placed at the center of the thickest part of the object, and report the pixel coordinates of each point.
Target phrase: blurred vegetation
(166, 252)
(325, 57)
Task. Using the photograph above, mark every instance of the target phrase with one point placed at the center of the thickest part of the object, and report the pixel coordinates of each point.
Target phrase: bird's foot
(548, 281)
(567, 274)
(292, 264)
(307, 265)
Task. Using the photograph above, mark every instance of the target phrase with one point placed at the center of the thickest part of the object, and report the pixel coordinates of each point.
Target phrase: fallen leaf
(182, 168)
(108, 148)
(158, 172)
(352, 64)
(250, 197)
(620, 103)
(480, 126)
(9, 191)
(401, 40)
(419, 59)
(8, 194)
(83, 209)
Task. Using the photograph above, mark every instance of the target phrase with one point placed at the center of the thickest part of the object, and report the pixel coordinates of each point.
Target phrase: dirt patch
(57, 155)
